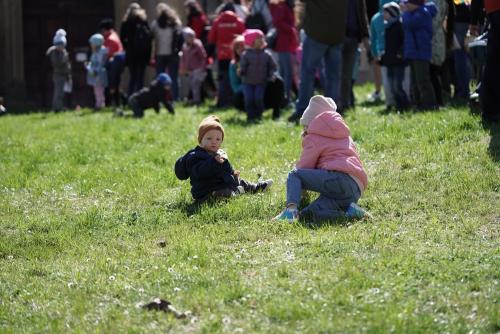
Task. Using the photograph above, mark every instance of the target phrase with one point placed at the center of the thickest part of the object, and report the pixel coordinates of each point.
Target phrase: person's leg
(259, 99)
(239, 101)
(138, 111)
(312, 55)
(332, 60)
(391, 80)
(337, 190)
(436, 83)
(248, 92)
(389, 98)
(224, 95)
(415, 96)
(141, 69)
(161, 64)
(348, 59)
(424, 86)
(402, 98)
(490, 104)
(133, 72)
(196, 79)
(58, 97)
(173, 71)
(285, 69)
(99, 96)
(462, 69)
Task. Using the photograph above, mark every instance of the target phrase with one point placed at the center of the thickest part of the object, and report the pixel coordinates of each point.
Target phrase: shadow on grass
(494, 146)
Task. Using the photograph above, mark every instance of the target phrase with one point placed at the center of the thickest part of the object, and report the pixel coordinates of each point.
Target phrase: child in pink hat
(257, 66)
(329, 164)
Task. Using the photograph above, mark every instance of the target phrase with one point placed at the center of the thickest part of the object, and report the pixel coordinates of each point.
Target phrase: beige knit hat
(317, 105)
(212, 122)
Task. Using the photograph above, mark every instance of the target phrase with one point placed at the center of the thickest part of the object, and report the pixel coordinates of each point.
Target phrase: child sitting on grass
(329, 164)
(159, 90)
(208, 167)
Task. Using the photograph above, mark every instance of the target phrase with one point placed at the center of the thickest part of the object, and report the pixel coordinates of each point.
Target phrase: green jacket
(325, 20)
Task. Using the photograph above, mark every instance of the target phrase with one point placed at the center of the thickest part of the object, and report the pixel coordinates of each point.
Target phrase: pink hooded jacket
(328, 145)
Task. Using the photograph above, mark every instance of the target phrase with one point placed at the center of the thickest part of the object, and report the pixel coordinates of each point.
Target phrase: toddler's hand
(219, 159)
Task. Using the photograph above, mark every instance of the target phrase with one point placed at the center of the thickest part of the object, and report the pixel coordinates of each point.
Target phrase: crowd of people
(266, 54)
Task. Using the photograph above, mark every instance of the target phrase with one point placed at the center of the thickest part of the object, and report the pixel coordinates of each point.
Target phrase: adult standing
(460, 56)
(196, 19)
(490, 103)
(324, 26)
(286, 39)
(224, 30)
(355, 32)
(116, 59)
(136, 37)
(438, 48)
(167, 33)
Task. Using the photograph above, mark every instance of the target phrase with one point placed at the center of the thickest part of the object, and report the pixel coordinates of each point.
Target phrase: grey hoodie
(257, 66)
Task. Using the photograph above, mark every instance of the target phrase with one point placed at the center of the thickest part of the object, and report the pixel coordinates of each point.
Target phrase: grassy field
(94, 223)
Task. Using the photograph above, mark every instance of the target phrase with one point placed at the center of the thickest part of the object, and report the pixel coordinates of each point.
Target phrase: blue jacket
(377, 31)
(417, 26)
(96, 68)
(205, 173)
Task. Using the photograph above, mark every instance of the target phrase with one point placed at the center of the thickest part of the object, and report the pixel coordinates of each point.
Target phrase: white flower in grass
(112, 278)
(176, 289)
(226, 320)
(170, 270)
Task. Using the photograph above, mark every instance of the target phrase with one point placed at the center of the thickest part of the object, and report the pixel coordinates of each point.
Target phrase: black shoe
(294, 118)
(262, 186)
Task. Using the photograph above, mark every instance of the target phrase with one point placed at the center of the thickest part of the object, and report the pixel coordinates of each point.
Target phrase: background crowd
(273, 54)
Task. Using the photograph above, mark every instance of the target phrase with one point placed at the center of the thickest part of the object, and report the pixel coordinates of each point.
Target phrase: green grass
(85, 198)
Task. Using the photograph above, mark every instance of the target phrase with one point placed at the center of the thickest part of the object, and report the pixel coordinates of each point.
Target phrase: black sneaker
(262, 186)
(294, 118)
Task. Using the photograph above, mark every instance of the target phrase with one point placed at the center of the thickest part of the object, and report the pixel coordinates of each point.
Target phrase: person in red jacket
(196, 19)
(286, 39)
(224, 29)
(116, 60)
(490, 104)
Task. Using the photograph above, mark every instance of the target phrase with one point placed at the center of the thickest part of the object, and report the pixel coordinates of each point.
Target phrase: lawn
(94, 224)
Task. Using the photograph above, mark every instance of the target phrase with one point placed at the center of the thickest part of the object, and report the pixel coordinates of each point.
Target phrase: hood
(329, 124)
(431, 8)
(381, 5)
(228, 16)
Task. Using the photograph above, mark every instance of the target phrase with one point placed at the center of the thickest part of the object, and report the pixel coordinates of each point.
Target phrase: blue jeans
(312, 54)
(171, 64)
(336, 191)
(462, 69)
(396, 76)
(254, 100)
(286, 72)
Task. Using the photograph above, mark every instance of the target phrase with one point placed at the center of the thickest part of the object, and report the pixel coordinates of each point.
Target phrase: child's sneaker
(291, 215)
(354, 211)
(263, 185)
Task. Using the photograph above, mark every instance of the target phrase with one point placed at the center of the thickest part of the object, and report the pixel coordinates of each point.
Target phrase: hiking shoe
(354, 211)
(263, 185)
(291, 215)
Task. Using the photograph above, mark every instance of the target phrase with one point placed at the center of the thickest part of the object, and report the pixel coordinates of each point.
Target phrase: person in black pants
(490, 102)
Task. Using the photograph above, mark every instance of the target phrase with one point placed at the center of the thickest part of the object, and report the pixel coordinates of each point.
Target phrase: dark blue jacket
(205, 173)
(417, 26)
(394, 43)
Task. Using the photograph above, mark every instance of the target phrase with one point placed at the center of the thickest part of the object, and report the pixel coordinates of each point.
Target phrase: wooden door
(41, 19)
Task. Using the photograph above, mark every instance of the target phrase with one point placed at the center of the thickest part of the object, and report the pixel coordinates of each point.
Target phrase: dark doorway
(41, 19)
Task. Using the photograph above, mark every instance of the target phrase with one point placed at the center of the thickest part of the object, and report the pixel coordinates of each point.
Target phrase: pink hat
(251, 35)
(317, 105)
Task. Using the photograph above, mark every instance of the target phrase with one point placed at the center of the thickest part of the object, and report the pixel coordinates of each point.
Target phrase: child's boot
(290, 215)
(354, 211)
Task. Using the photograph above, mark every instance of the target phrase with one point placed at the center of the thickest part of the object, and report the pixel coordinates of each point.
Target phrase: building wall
(11, 49)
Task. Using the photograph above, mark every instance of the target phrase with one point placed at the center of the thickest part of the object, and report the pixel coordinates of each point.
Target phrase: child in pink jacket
(329, 164)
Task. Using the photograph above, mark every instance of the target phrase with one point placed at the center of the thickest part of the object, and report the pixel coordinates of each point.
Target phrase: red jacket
(112, 43)
(198, 23)
(224, 29)
(284, 22)
(491, 6)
